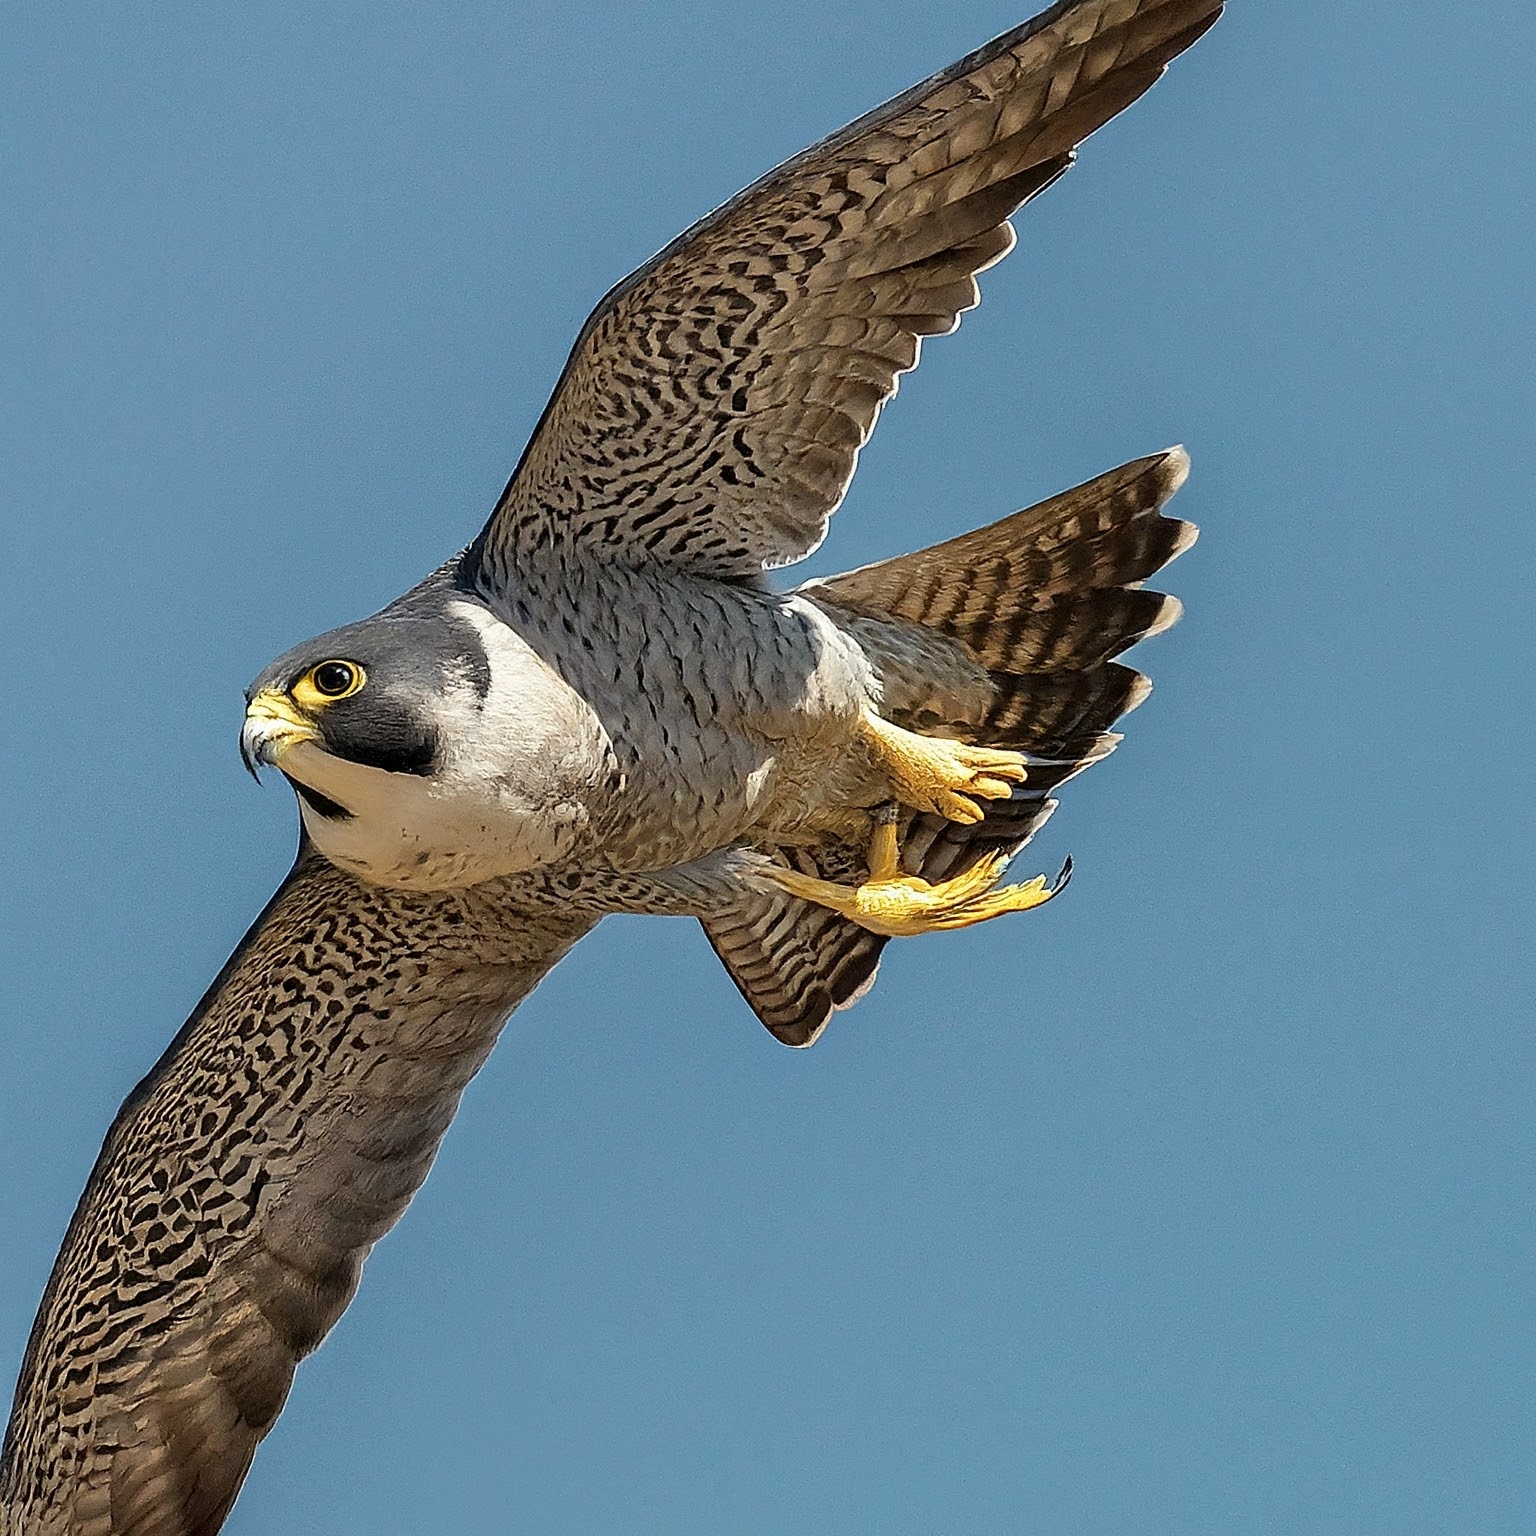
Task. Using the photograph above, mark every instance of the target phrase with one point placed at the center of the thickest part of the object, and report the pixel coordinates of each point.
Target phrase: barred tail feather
(797, 964)
(1006, 636)
(1106, 533)
(1003, 637)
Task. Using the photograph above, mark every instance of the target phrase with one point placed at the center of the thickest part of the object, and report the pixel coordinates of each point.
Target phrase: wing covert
(712, 410)
(242, 1184)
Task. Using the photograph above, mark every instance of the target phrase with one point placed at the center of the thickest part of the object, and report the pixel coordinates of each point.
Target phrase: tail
(1004, 637)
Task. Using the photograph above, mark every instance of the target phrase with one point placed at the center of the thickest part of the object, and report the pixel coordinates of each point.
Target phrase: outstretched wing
(715, 402)
(224, 1226)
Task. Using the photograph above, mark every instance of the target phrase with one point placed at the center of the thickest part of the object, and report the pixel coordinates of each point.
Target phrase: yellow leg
(884, 850)
(947, 778)
(930, 773)
(901, 906)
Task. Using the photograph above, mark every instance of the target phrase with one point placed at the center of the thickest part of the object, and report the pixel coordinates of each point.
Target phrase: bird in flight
(602, 705)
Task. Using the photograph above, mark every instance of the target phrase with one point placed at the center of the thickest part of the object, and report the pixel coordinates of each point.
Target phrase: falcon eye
(335, 679)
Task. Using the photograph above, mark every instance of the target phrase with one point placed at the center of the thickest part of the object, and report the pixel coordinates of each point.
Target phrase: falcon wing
(715, 402)
(241, 1186)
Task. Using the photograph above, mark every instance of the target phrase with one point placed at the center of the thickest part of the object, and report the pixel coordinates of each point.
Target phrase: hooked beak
(272, 725)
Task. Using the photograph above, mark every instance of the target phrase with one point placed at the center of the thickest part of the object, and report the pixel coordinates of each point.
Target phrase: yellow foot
(901, 906)
(930, 773)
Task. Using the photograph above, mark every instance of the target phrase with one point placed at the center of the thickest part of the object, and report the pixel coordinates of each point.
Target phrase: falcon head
(364, 722)
(347, 712)
(430, 747)
(374, 698)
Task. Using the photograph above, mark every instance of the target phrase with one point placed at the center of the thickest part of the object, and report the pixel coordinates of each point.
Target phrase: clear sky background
(1199, 1202)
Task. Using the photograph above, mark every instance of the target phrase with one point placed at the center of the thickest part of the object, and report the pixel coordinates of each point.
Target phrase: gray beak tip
(250, 751)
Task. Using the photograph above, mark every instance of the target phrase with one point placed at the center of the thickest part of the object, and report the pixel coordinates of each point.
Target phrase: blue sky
(1196, 1202)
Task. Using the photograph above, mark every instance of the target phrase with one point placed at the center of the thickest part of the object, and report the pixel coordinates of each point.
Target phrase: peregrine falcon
(602, 705)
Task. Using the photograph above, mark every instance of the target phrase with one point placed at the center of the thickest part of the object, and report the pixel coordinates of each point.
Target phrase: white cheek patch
(533, 737)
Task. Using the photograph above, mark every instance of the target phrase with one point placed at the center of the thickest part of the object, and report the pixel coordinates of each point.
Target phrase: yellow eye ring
(327, 682)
